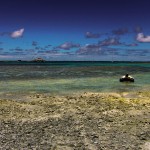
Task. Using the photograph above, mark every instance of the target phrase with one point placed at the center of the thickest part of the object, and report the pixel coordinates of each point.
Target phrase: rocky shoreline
(88, 121)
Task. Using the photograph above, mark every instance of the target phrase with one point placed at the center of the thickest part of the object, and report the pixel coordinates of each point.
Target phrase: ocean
(72, 77)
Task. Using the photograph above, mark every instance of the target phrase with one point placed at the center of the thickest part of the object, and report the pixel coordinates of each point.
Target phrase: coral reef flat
(90, 121)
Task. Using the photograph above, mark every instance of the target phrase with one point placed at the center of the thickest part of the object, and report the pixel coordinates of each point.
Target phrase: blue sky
(75, 30)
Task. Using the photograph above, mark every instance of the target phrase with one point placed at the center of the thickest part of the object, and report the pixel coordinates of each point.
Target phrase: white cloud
(142, 38)
(92, 35)
(89, 49)
(5, 56)
(17, 34)
(68, 45)
(110, 42)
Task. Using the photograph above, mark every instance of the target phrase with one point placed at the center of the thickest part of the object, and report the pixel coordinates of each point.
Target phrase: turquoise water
(72, 77)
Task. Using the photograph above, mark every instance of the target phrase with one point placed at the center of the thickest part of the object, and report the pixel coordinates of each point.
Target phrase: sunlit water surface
(72, 77)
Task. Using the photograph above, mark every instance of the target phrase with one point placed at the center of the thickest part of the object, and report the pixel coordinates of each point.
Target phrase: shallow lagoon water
(72, 77)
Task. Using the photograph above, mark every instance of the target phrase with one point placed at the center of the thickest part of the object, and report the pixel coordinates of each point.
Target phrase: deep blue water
(72, 77)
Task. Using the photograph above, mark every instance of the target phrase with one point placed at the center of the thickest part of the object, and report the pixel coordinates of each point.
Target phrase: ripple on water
(100, 77)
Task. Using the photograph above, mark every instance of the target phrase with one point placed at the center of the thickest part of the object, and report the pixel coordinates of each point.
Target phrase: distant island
(39, 60)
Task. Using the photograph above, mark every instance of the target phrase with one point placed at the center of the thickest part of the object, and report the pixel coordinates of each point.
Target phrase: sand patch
(84, 121)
